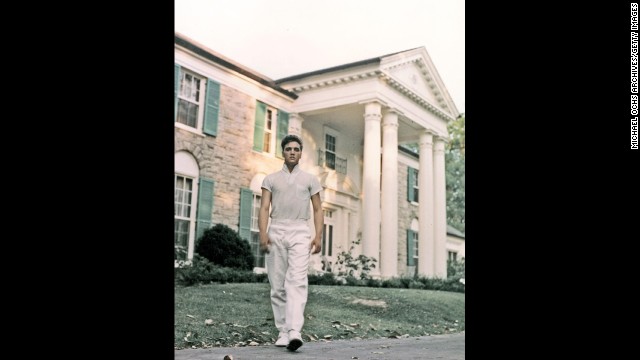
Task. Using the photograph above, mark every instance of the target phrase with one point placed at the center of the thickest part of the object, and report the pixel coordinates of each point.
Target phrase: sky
(280, 38)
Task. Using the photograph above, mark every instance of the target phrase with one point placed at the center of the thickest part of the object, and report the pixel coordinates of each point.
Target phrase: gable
(412, 73)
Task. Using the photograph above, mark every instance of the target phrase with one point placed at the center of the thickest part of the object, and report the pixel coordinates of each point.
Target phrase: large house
(378, 196)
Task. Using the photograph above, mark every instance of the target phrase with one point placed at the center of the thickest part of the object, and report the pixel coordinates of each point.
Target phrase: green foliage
(455, 269)
(223, 246)
(326, 278)
(201, 271)
(349, 266)
(455, 173)
(179, 254)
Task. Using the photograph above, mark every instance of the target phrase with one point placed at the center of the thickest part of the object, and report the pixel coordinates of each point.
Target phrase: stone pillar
(389, 201)
(440, 209)
(426, 265)
(295, 124)
(371, 184)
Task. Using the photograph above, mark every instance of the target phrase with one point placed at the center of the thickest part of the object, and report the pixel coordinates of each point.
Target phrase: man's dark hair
(289, 138)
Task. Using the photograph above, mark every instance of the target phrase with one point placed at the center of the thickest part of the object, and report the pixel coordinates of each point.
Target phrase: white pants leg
(287, 267)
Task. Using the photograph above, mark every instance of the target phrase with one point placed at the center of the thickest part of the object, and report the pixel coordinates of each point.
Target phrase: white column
(425, 206)
(295, 124)
(440, 209)
(389, 201)
(371, 184)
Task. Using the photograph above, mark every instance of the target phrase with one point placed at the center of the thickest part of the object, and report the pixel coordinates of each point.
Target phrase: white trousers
(287, 267)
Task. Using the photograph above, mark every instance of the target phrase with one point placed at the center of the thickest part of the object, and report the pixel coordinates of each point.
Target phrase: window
(415, 247)
(268, 131)
(271, 126)
(412, 185)
(193, 204)
(412, 243)
(197, 101)
(189, 99)
(328, 157)
(327, 234)
(182, 212)
(255, 232)
(249, 212)
(452, 256)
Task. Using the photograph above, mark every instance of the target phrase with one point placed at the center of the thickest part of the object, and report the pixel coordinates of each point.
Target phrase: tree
(455, 172)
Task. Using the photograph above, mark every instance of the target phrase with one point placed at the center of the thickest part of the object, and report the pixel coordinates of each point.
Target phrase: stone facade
(227, 158)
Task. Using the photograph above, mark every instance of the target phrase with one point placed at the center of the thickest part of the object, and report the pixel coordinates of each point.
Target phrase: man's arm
(318, 222)
(263, 218)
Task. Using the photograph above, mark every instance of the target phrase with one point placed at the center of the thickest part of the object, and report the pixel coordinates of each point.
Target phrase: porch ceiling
(349, 120)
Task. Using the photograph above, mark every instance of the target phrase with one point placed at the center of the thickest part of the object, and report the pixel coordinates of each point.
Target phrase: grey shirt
(291, 192)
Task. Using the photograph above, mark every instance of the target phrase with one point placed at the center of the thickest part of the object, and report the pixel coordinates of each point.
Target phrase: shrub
(322, 279)
(455, 268)
(202, 271)
(223, 246)
(356, 267)
(199, 270)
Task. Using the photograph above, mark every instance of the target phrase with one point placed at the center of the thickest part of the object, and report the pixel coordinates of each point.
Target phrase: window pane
(269, 123)
(181, 239)
(331, 160)
(183, 195)
(330, 240)
(192, 116)
(324, 240)
(267, 142)
(187, 113)
(196, 90)
(255, 212)
(255, 248)
(330, 143)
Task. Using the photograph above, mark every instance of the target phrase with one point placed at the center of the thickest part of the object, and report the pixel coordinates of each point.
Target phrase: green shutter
(410, 181)
(283, 130)
(246, 205)
(176, 87)
(211, 108)
(258, 130)
(205, 206)
(410, 260)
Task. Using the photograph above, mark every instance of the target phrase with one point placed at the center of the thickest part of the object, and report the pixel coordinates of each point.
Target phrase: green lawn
(240, 313)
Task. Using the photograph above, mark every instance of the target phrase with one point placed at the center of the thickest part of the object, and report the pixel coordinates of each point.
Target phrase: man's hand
(264, 244)
(316, 246)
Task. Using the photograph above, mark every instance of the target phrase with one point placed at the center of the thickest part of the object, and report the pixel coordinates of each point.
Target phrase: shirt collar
(296, 168)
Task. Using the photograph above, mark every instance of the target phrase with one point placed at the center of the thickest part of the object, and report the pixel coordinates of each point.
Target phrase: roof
(217, 58)
(375, 60)
(453, 231)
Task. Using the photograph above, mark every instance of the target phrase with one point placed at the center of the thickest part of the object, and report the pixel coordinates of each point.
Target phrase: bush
(202, 271)
(197, 271)
(223, 246)
(456, 271)
(349, 266)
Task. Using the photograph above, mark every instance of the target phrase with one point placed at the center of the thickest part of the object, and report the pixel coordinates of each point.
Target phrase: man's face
(292, 153)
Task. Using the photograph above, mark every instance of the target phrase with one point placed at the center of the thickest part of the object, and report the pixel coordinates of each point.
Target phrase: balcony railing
(331, 160)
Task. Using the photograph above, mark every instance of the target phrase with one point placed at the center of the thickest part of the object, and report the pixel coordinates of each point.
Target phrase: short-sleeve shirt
(291, 192)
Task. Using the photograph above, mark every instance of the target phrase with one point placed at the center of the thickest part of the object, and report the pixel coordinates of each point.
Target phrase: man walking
(288, 241)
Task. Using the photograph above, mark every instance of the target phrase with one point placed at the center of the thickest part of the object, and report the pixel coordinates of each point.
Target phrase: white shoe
(283, 339)
(295, 340)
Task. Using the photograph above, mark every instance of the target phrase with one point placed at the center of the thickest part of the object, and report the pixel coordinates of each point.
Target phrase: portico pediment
(412, 73)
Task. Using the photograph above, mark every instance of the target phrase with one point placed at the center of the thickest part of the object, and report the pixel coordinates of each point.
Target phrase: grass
(239, 314)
